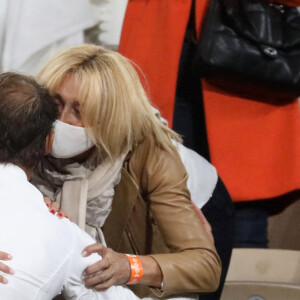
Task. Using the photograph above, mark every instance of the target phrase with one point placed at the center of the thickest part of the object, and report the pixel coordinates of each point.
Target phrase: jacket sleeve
(193, 264)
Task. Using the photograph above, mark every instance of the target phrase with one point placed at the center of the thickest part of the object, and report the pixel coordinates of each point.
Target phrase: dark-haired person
(46, 250)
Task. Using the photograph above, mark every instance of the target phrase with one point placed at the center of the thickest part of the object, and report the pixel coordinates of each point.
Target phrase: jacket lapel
(126, 194)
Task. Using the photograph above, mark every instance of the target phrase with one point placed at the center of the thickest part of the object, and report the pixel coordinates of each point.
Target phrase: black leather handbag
(251, 48)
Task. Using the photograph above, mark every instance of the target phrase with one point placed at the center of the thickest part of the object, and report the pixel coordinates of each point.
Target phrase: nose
(66, 117)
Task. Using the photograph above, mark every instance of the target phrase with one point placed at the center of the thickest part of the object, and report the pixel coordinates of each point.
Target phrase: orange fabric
(291, 2)
(254, 146)
(148, 41)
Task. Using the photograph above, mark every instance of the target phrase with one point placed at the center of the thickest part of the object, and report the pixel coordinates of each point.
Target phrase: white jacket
(46, 250)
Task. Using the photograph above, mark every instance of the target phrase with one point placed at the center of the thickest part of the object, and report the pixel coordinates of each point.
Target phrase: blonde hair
(114, 106)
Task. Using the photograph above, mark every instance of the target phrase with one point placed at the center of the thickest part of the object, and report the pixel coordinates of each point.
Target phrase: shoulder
(149, 152)
(151, 165)
(73, 285)
(80, 240)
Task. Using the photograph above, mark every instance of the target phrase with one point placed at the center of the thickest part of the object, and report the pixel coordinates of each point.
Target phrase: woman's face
(68, 103)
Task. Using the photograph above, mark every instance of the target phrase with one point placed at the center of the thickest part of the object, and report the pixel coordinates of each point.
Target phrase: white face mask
(69, 140)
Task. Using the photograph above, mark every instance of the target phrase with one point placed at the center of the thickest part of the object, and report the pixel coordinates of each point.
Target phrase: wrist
(136, 269)
(152, 275)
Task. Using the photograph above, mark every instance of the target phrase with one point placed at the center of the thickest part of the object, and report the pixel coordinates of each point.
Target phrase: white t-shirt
(46, 250)
(202, 178)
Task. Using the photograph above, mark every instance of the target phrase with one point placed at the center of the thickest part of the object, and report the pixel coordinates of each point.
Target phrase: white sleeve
(74, 288)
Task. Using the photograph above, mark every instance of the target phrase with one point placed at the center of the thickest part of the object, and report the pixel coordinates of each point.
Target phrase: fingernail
(47, 204)
(84, 253)
(59, 215)
(52, 211)
(11, 271)
(9, 256)
(5, 281)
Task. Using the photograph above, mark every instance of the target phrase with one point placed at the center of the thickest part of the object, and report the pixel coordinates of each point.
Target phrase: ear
(49, 142)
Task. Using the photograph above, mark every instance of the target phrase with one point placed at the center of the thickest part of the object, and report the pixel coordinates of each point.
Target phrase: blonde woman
(115, 171)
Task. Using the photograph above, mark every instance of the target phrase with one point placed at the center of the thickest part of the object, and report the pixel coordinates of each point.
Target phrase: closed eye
(77, 112)
(76, 109)
(60, 103)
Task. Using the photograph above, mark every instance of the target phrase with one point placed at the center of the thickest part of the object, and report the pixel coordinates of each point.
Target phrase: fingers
(99, 266)
(113, 269)
(5, 256)
(202, 218)
(94, 248)
(3, 280)
(5, 269)
(204, 221)
(101, 281)
(54, 207)
(105, 285)
(100, 274)
(47, 201)
(61, 214)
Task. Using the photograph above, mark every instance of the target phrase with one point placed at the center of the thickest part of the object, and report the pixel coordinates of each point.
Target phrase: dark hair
(27, 113)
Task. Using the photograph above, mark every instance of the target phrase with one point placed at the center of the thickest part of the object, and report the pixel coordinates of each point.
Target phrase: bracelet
(136, 269)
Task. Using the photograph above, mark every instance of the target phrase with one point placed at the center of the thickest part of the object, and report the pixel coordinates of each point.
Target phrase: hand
(54, 208)
(4, 268)
(113, 269)
(203, 219)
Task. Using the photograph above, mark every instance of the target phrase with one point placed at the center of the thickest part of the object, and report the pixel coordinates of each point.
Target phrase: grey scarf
(84, 191)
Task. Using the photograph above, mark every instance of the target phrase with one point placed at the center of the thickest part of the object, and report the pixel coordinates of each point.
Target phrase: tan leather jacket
(152, 214)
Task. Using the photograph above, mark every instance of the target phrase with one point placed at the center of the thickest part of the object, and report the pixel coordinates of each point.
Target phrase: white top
(46, 250)
(203, 176)
(32, 31)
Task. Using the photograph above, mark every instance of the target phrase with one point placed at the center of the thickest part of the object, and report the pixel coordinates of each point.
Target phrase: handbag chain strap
(278, 6)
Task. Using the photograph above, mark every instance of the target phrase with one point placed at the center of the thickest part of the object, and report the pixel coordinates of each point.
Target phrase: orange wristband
(136, 269)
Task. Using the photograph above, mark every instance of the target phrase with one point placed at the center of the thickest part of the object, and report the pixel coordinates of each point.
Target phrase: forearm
(195, 270)
(152, 275)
